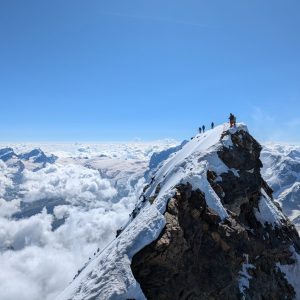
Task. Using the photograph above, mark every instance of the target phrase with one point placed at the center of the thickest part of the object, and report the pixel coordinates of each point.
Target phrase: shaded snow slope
(159, 157)
(267, 211)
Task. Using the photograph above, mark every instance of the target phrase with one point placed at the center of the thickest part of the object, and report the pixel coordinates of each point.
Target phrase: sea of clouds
(54, 217)
(38, 259)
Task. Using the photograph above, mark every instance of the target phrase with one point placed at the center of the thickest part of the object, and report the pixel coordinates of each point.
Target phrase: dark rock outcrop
(198, 256)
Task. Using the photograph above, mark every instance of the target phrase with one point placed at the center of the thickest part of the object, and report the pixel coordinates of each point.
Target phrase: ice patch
(267, 211)
(292, 272)
(227, 141)
(211, 198)
(244, 278)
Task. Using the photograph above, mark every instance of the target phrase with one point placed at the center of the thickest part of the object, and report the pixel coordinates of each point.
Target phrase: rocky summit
(206, 227)
(198, 256)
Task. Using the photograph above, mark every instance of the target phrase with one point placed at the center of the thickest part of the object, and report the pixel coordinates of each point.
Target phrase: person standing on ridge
(200, 129)
(232, 120)
(212, 125)
(203, 128)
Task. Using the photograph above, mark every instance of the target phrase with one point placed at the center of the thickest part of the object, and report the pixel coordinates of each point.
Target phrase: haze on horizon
(121, 70)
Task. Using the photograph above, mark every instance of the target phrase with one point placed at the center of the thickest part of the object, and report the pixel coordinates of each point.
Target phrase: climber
(200, 129)
(212, 125)
(203, 128)
(232, 120)
(119, 231)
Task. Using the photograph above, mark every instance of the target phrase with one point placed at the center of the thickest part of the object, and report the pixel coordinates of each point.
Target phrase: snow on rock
(191, 164)
(267, 211)
(292, 272)
(212, 200)
(227, 142)
(109, 275)
(244, 275)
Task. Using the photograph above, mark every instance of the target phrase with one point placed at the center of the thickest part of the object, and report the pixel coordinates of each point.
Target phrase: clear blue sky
(114, 70)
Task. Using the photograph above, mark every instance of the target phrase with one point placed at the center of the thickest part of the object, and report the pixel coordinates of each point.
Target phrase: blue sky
(117, 70)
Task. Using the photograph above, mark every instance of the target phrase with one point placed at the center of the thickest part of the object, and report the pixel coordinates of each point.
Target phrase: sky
(135, 69)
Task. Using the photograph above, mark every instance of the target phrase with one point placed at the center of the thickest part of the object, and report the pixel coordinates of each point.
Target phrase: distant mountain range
(36, 156)
(281, 169)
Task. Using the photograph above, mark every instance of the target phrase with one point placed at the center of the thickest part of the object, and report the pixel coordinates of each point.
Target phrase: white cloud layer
(73, 183)
(37, 262)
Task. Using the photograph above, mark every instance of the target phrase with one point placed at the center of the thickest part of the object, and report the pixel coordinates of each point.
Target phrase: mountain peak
(206, 227)
(7, 153)
(38, 156)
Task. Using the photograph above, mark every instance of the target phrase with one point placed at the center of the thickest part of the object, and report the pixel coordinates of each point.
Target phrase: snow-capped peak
(108, 275)
(38, 156)
(191, 163)
(7, 153)
(205, 166)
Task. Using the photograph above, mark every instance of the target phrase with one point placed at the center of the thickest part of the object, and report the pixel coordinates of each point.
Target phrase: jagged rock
(199, 257)
(206, 228)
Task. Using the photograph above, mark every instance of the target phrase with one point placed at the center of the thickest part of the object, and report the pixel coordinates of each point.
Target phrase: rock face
(200, 256)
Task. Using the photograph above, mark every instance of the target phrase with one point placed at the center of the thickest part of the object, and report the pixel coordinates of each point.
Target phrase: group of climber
(232, 122)
(202, 129)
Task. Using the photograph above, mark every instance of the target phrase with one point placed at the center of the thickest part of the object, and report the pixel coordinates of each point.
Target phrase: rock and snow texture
(182, 166)
(231, 217)
(191, 163)
(174, 170)
(292, 272)
(267, 212)
(244, 276)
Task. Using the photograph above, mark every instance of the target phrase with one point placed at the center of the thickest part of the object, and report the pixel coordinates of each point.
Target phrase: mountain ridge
(198, 168)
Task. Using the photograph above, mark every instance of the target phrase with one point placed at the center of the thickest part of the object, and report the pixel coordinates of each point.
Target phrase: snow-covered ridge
(191, 163)
(108, 275)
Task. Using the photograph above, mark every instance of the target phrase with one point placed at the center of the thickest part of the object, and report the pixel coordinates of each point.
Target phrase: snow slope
(108, 275)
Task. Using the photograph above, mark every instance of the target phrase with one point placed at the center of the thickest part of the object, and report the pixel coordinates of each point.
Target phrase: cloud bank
(37, 262)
